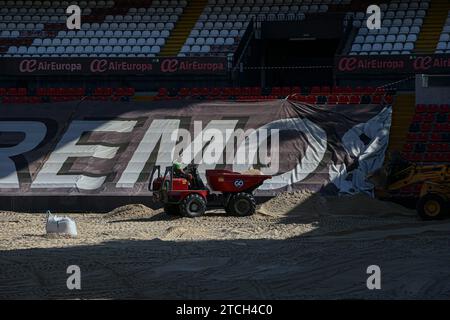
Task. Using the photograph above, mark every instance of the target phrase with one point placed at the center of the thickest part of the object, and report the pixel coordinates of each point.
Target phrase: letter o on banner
(315, 151)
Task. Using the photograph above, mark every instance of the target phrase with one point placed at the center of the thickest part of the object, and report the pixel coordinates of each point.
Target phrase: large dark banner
(393, 64)
(114, 66)
(110, 149)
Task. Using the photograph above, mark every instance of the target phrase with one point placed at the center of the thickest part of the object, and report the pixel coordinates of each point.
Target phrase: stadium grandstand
(312, 51)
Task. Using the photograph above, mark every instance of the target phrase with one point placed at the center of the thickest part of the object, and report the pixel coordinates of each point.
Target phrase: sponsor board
(98, 148)
(112, 66)
(407, 64)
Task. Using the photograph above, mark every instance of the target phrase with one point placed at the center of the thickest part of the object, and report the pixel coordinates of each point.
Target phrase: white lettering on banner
(34, 134)
(165, 130)
(201, 137)
(204, 136)
(315, 151)
(69, 147)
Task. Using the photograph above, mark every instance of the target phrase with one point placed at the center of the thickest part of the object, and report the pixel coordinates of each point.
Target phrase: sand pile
(130, 211)
(255, 172)
(308, 204)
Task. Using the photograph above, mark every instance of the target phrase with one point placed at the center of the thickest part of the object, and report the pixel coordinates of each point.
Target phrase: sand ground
(298, 246)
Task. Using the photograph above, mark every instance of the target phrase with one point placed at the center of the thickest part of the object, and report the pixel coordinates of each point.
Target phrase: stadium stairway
(183, 28)
(403, 111)
(432, 26)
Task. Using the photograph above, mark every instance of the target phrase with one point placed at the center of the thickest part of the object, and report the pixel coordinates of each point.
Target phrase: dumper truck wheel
(243, 204)
(432, 207)
(228, 205)
(193, 206)
(172, 209)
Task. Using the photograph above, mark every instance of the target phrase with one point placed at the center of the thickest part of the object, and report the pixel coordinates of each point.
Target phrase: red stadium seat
(417, 137)
(296, 90)
(332, 99)
(325, 90)
(183, 92)
(215, 92)
(315, 90)
(426, 127)
(11, 92)
(162, 92)
(421, 108)
(285, 91)
(388, 99)
(311, 99)
(355, 99)
(376, 99)
(195, 92)
(433, 108)
(343, 100)
(408, 147)
(276, 91)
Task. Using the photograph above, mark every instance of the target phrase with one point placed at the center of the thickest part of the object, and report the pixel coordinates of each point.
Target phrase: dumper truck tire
(193, 206)
(172, 209)
(228, 204)
(432, 207)
(243, 204)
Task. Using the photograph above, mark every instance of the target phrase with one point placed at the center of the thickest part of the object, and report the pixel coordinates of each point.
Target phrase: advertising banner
(393, 64)
(98, 148)
(114, 66)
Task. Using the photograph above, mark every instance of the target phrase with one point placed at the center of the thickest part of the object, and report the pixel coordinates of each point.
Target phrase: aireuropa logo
(99, 65)
(423, 63)
(172, 65)
(169, 65)
(28, 66)
(33, 65)
(348, 64)
(103, 65)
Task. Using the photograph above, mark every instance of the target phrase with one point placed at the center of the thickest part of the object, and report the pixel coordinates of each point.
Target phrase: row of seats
(443, 45)
(273, 91)
(343, 99)
(36, 99)
(426, 147)
(428, 139)
(314, 95)
(30, 4)
(102, 91)
(233, 16)
(120, 31)
(154, 38)
(20, 5)
(309, 99)
(432, 108)
(90, 51)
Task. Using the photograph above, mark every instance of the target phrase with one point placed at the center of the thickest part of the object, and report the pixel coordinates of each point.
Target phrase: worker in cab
(178, 171)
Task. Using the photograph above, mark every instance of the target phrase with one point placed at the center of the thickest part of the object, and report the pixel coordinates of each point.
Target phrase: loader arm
(417, 174)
